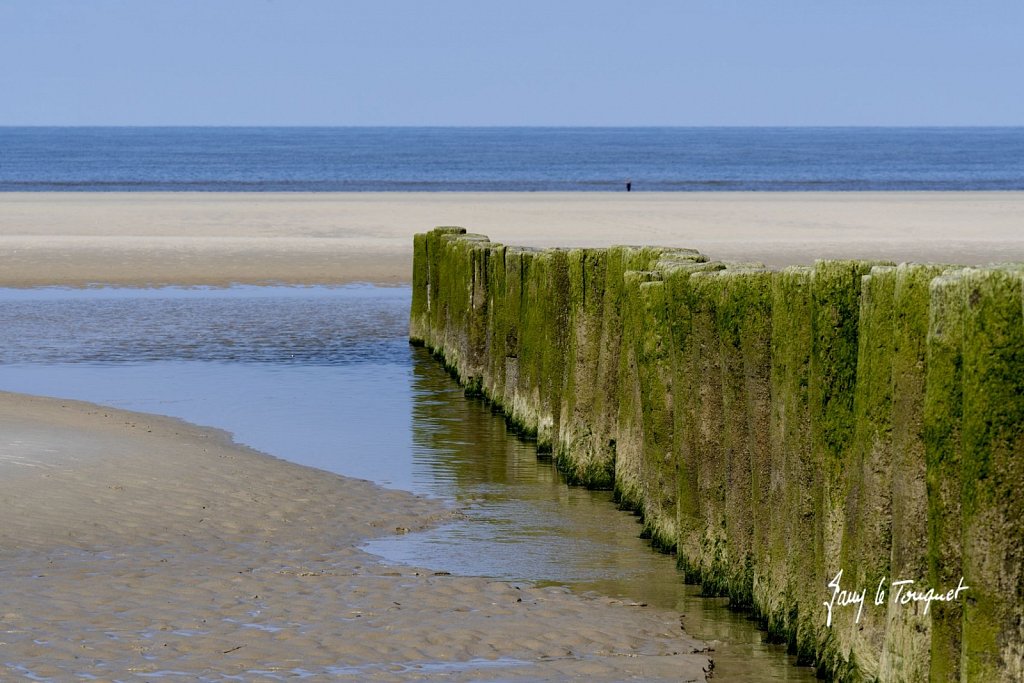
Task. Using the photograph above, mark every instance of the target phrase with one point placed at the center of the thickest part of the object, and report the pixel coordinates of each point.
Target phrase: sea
(510, 159)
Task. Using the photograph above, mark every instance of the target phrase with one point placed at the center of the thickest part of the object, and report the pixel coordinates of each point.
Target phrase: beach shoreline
(135, 544)
(153, 239)
(119, 507)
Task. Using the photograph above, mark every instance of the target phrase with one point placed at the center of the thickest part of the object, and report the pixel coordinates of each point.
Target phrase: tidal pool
(324, 377)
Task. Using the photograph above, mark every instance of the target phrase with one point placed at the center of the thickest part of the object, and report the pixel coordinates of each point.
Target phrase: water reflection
(324, 377)
(523, 522)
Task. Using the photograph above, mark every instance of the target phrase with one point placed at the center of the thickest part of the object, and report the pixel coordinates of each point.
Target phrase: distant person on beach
(629, 185)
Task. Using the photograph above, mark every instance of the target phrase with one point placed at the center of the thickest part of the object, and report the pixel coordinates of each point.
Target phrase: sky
(512, 62)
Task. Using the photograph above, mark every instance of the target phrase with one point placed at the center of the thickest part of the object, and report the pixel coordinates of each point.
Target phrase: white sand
(212, 238)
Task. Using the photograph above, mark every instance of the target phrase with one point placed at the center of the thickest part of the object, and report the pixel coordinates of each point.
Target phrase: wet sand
(215, 238)
(134, 545)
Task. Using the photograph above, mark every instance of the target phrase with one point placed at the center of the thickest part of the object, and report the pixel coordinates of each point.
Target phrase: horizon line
(516, 126)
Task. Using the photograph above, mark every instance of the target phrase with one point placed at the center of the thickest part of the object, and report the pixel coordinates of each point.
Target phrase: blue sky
(514, 62)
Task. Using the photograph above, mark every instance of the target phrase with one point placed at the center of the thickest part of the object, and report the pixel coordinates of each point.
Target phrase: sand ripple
(143, 548)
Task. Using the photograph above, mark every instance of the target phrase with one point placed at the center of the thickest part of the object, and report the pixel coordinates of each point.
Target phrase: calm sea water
(510, 159)
(325, 377)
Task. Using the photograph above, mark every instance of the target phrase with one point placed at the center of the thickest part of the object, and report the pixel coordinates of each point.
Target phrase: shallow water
(324, 377)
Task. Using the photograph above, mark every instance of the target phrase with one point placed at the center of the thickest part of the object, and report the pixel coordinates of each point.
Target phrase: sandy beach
(134, 545)
(213, 238)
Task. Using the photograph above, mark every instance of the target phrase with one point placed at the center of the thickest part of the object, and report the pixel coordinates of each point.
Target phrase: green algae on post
(792, 605)
(943, 409)
(992, 471)
(908, 629)
(853, 422)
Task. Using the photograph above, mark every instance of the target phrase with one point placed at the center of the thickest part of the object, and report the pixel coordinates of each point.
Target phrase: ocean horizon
(510, 159)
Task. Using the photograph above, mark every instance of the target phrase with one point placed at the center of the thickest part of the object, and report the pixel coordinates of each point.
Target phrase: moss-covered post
(606, 396)
(685, 404)
(655, 370)
(515, 397)
(418, 323)
(630, 442)
(867, 530)
(791, 596)
(835, 293)
(497, 325)
(431, 305)
(743, 329)
(942, 440)
(578, 453)
(709, 457)
(906, 650)
(478, 316)
(454, 296)
(555, 344)
(993, 474)
(755, 292)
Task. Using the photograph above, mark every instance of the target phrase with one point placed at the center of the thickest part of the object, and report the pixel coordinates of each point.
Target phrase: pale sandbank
(221, 238)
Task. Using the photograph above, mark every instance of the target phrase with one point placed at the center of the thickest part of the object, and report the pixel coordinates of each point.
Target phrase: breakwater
(823, 445)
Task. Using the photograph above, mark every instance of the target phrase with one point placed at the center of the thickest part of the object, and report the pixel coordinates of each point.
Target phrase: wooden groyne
(775, 428)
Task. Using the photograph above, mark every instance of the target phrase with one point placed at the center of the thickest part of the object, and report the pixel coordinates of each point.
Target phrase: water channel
(325, 377)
